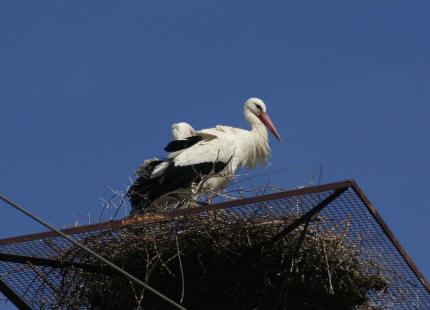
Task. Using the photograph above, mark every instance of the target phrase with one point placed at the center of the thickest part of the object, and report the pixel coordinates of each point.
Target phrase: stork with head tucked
(181, 133)
(211, 155)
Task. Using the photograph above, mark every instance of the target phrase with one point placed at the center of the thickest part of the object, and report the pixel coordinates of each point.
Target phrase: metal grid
(30, 274)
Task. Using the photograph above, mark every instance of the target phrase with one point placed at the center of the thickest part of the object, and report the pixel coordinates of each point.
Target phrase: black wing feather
(177, 145)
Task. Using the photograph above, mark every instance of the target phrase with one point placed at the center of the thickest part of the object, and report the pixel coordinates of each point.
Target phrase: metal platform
(30, 273)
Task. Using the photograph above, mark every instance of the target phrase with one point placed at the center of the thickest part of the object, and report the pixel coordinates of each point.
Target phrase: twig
(182, 271)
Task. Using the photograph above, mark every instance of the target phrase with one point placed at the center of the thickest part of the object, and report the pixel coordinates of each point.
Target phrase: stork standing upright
(218, 151)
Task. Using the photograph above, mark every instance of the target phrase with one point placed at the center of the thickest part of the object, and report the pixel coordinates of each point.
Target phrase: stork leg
(211, 198)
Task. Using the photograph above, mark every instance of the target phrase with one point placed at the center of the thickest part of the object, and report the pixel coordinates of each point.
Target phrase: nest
(225, 261)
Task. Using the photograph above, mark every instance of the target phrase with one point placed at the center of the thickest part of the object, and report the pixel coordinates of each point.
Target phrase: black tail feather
(145, 189)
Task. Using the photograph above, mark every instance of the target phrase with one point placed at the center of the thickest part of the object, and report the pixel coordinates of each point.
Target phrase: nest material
(221, 261)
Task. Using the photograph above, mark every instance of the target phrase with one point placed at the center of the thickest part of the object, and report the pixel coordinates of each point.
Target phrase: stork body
(218, 151)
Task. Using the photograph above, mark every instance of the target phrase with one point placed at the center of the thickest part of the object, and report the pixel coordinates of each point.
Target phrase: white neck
(258, 148)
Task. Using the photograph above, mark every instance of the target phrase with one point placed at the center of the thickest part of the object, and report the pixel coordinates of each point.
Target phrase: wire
(104, 260)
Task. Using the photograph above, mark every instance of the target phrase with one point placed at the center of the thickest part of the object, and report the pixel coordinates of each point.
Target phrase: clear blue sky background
(89, 89)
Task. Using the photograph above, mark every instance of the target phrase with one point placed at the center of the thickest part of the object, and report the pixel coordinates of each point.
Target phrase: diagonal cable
(101, 258)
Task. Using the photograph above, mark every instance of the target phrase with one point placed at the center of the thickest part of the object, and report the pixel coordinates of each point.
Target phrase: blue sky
(90, 89)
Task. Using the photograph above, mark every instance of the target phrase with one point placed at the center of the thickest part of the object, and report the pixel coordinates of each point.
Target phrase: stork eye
(258, 107)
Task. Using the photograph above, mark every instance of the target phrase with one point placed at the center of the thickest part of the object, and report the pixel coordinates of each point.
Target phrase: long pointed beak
(266, 121)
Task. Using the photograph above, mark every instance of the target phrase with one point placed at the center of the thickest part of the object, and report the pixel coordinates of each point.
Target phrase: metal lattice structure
(30, 271)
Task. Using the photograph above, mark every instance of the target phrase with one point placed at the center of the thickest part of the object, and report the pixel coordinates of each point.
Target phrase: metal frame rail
(339, 188)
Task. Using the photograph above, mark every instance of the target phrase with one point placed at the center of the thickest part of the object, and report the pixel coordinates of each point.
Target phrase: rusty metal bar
(47, 262)
(13, 297)
(280, 195)
(83, 229)
(390, 235)
(179, 212)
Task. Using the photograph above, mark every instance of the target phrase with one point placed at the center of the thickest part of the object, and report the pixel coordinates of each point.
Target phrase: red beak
(266, 121)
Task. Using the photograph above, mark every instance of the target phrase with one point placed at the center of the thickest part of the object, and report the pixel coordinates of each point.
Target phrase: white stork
(220, 151)
(180, 132)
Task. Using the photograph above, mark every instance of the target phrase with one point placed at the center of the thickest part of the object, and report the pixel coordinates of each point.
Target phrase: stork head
(257, 107)
(182, 130)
